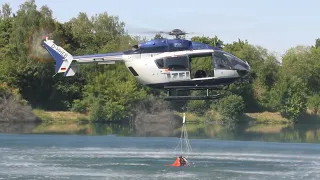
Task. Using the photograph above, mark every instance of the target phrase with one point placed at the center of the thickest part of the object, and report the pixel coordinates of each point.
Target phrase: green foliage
(246, 91)
(158, 36)
(198, 107)
(314, 103)
(115, 96)
(303, 62)
(230, 108)
(214, 41)
(317, 43)
(293, 98)
(97, 113)
(79, 106)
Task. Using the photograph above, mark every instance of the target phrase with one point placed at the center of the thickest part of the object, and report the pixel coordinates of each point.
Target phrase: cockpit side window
(160, 63)
(221, 61)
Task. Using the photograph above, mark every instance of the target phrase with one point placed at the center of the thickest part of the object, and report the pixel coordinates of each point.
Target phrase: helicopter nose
(249, 68)
(245, 72)
(242, 67)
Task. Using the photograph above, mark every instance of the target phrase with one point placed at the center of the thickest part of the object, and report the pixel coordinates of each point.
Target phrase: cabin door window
(180, 63)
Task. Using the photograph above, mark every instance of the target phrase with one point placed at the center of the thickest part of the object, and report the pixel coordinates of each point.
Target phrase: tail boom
(67, 64)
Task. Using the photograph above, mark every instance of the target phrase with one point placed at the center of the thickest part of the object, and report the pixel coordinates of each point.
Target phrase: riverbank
(256, 118)
(60, 116)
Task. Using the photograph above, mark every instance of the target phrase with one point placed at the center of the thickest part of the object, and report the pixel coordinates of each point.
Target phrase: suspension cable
(184, 138)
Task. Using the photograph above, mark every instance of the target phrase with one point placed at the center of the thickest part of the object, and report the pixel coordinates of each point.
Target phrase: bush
(294, 99)
(230, 108)
(79, 106)
(97, 113)
(198, 107)
(13, 108)
(314, 103)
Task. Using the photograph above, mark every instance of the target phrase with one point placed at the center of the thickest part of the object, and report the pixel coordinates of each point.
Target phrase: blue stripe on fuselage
(98, 55)
(147, 49)
(195, 46)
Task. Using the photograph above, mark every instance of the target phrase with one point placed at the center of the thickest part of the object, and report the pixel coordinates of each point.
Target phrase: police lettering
(177, 44)
(178, 75)
(59, 50)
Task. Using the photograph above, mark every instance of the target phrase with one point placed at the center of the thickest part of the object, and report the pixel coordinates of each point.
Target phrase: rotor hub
(177, 32)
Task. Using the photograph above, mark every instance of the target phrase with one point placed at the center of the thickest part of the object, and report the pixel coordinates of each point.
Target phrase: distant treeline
(110, 92)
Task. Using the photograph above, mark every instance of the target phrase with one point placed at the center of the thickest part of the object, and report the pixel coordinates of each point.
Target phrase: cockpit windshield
(224, 60)
(236, 62)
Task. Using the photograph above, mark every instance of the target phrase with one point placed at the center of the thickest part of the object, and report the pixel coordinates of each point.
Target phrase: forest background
(286, 92)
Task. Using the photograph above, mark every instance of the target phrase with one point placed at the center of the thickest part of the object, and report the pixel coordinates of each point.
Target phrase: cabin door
(201, 66)
(178, 67)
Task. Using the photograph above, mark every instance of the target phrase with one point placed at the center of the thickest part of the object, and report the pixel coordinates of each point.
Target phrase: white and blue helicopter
(163, 64)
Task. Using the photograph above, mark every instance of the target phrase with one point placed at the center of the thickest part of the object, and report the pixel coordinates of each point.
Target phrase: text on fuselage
(59, 50)
(178, 75)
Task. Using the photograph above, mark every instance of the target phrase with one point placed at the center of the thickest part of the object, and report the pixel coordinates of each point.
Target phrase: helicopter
(164, 64)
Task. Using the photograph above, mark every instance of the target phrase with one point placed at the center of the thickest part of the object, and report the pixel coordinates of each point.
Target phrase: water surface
(95, 151)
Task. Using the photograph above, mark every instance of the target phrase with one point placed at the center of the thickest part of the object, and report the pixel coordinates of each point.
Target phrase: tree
(314, 103)
(293, 98)
(115, 97)
(158, 36)
(264, 73)
(317, 43)
(214, 41)
(230, 107)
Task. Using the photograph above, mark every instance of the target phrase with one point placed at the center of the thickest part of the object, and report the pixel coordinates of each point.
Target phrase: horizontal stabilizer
(72, 70)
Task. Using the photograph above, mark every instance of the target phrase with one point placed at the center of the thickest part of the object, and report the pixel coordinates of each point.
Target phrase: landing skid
(170, 97)
(211, 97)
(196, 87)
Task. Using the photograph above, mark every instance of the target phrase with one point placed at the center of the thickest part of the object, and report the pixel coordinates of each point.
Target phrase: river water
(99, 151)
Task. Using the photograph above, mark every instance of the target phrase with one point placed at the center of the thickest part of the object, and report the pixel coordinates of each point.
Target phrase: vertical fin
(62, 58)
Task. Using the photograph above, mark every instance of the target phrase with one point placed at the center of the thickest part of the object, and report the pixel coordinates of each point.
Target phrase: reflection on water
(276, 133)
(17, 127)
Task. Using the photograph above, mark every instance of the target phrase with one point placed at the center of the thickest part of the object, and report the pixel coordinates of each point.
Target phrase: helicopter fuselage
(165, 62)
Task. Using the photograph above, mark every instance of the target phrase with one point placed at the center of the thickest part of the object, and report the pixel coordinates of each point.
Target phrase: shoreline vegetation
(278, 91)
(253, 118)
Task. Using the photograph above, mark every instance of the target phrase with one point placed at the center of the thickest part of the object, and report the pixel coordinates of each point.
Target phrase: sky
(274, 24)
